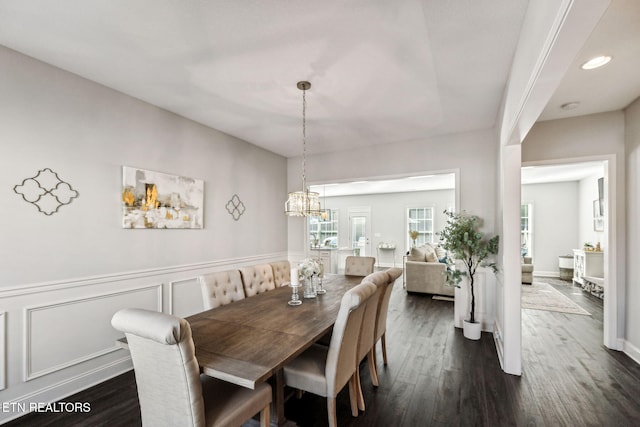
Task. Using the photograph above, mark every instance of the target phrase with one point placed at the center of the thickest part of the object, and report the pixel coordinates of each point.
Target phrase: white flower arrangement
(310, 267)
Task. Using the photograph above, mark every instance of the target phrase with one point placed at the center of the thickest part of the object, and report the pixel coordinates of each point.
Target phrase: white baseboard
(68, 387)
(546, 274)
(632, 351)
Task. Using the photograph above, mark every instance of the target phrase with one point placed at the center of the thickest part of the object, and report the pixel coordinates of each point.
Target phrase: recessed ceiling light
(570, 105)
(596, 62)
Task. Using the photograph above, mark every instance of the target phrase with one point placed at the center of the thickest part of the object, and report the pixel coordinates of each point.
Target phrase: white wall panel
(3, 351)
(185, 297)
(66, 333)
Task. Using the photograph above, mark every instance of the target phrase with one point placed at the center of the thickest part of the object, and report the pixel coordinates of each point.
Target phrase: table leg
(278, 398)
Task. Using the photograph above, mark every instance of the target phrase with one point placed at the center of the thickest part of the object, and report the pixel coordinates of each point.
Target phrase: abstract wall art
(158, 200)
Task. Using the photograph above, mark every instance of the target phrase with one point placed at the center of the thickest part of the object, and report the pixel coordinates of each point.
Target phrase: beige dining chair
(257, 279)
(281, 272)
(381, 323)
(325, 371)
(221, 288)
(367, 332)
(171, 390)
(359, 265)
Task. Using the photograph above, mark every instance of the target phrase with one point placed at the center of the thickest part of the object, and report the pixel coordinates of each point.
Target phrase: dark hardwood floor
(435, 377)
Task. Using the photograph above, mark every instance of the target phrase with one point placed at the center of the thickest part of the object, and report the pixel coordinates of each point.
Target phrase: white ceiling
(395, 185)
(561, 173)
(381, 71)
(617, 84)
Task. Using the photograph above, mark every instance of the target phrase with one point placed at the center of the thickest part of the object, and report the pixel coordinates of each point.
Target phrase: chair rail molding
(36, 288)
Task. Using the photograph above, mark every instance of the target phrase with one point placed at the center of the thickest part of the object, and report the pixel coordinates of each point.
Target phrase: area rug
(542, 296)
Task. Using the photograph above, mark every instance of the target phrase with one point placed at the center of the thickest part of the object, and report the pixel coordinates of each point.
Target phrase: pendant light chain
(304, 139)
(304, 202)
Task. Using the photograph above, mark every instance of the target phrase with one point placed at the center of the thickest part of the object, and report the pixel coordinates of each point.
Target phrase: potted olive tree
(465, 242)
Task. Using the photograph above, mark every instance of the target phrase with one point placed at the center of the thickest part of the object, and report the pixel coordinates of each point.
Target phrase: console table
(588, 271)
(389, 248)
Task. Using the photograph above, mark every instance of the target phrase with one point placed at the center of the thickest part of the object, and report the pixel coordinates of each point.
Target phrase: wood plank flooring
(435, 377)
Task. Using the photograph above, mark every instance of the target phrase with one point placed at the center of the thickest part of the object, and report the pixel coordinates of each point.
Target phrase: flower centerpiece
(307, 269)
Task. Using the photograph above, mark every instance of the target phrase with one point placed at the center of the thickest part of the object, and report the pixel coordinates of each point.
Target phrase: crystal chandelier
(304, 202)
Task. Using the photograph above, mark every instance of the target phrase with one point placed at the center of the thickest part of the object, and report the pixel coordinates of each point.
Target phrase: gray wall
(63, 276)
(598, 137)
(473, 156)
(555, 225)
(388, 216)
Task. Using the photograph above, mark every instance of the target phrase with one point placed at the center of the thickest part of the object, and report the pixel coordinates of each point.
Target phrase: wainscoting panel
(3, 350)
(185, 297)
(70, 332)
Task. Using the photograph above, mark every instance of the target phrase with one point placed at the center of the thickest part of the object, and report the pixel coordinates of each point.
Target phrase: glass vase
(307, 288)
(317, 285)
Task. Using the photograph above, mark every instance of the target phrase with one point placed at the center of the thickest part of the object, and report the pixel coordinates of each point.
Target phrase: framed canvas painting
(158, 200)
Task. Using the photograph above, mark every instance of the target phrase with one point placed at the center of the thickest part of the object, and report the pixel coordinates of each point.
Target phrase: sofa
(424, 272)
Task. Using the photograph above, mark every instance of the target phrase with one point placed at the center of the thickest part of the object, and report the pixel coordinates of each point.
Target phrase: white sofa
(424, 272)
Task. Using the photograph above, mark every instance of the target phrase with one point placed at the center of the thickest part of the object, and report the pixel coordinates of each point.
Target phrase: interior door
(360, 230)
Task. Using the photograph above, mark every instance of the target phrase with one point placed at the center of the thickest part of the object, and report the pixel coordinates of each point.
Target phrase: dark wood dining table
(251, 340)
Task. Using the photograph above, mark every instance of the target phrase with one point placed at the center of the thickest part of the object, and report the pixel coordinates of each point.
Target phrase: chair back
(341, 357)
(257, 279)
(383, 304)
(379, 278)
(165, 365)
(367, 332)
(359, 265)
(221, 288)
(281, 272)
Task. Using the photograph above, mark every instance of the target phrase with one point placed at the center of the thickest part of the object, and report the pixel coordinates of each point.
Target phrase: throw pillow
(440, 252)
(417, 254)
(430, 254)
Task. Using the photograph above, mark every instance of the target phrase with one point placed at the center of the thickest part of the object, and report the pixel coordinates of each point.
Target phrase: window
(420, 220)
(324, 232)
(526, 236)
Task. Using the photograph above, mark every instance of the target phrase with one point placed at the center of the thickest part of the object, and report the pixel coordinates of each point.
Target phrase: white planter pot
(471, 331)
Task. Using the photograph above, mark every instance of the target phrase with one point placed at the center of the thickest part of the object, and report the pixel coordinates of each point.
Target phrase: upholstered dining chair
(381, 323)
(359, 265)
(171, 390)
(281, 272)
(221, 288)
(257, 279)
(367, 332)
(325, 371)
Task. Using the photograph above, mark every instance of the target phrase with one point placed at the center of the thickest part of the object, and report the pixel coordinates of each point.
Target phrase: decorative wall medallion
(46, 191)
(235, 207)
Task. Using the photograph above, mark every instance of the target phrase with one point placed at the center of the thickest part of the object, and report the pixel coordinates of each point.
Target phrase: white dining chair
(381, 323)
(171, 390)
(221, 288)
(281, 273)
(359, 265)
(367, 332)
(257, 279)
(325, 371)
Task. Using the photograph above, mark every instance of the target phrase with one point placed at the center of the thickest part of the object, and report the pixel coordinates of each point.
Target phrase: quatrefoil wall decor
(235, 207)
(46, 191)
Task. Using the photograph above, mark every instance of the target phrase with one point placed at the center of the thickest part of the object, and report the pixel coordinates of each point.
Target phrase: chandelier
(304, 202)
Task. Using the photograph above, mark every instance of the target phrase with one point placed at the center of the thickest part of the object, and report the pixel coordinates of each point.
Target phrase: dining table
(251, 340)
